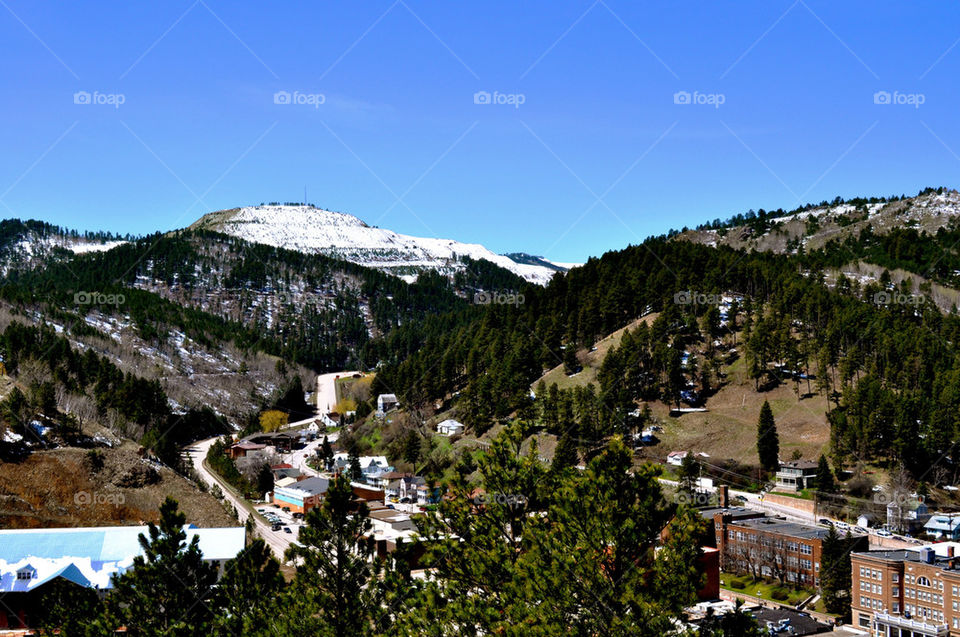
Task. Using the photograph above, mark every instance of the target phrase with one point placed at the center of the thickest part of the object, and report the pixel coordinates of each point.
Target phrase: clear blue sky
(198, 128)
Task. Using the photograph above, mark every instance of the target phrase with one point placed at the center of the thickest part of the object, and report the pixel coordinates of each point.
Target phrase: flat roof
(783, 527)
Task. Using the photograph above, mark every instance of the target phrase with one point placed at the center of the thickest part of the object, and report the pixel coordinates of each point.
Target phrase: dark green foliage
(825, 480)
(248, 595)
(66, 609)
(835, 575)
(169, 588)
(768, 442)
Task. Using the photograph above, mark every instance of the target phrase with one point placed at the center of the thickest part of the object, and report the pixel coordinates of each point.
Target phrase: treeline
(761, 220)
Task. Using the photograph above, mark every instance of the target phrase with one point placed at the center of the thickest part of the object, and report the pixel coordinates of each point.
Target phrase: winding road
(278, 541)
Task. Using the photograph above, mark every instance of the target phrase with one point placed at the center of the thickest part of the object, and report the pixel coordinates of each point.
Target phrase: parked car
(883, 533)
(286, 529)
(287, 509)
(824, 521)
(276, 526)
(297, 516)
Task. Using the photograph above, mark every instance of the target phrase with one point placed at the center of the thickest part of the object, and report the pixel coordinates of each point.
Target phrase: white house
(450, 427)
(386, 402)
(675, 458)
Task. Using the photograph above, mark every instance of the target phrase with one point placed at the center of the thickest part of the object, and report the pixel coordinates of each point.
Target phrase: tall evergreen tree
(825, 480)
(835, 575)
(246, 598)
(168, 589)
(336, 587)
(768, 442)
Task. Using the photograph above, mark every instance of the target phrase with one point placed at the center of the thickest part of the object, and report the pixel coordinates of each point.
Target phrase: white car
(883, 533)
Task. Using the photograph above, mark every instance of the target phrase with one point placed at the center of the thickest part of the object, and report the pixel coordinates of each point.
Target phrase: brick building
(908, 592)
(772, 547)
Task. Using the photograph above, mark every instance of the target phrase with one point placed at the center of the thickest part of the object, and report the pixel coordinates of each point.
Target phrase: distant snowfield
(83, 248)
(309, 229)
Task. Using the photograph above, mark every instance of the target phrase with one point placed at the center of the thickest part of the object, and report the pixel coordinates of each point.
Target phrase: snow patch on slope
(340, 235)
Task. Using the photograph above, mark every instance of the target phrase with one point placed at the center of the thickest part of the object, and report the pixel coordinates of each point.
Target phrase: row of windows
(751, 538)
(872, 574)
(877, 589)
(923, 596)
(927, 613)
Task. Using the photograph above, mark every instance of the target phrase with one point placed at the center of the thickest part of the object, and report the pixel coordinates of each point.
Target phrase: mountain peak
(306, 228)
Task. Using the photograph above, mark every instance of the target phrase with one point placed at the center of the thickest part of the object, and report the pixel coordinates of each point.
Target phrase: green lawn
(764, 590)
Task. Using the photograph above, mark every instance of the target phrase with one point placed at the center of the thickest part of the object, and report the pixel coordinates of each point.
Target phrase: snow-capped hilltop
(336, 234)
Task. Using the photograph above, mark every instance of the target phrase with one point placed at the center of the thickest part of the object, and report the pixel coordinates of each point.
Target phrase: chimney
(724, 495)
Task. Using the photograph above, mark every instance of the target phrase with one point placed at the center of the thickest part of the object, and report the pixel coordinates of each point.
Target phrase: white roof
(89, 556)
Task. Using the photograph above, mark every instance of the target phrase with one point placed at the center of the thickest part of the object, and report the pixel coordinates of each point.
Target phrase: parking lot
(275, 515)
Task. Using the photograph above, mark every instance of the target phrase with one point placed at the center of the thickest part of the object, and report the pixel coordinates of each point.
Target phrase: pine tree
(768, 443)
(825, 481)
(835, 575)
(246, 596)
(168, 589)
(326, 454)
(355, 472)
(337, 570)
(688, 474)
(565, 454)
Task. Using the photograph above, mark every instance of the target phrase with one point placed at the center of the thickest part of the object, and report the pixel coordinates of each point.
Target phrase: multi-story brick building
(909, 592)
(773, 547)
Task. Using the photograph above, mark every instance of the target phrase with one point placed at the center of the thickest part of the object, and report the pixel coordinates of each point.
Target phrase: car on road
(883, 533)
(824, 521)
(276, 526)
(286, 529)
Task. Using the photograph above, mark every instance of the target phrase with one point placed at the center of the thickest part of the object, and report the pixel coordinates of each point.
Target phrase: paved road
(298, 457)
(327, 391)
(278, 541)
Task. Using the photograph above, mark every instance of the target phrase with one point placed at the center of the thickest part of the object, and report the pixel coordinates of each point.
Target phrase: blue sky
(597, 156)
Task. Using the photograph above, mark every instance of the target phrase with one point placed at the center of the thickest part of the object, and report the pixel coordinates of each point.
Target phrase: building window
(923, 581)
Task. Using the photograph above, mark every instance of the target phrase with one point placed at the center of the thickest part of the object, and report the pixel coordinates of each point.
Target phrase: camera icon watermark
(897, 98)
(85, 498)
(892, 297)
(98, 298)
(697, 499)
(690, 297)
(299, 99)
(503, 499)
(509, 99)
(715, 100)
(899, 499)
(97, 98)
(498, 298)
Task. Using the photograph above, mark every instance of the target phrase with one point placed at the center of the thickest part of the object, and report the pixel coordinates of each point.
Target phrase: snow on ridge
(309, 229)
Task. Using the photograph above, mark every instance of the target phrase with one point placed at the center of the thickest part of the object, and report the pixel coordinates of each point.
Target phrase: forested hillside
(891, 370)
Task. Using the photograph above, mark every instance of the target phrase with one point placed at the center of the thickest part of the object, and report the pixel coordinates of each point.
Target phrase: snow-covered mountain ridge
(343, 236)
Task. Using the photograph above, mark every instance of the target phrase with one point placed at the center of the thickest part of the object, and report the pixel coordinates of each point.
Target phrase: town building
(244, 448)
(675, 458)
(796, 475)
(943, 526)
(88, 557)
(914, 591)
(386, 402)
(909, 516)
(450, 427)
(773, 547)
(301, 496)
